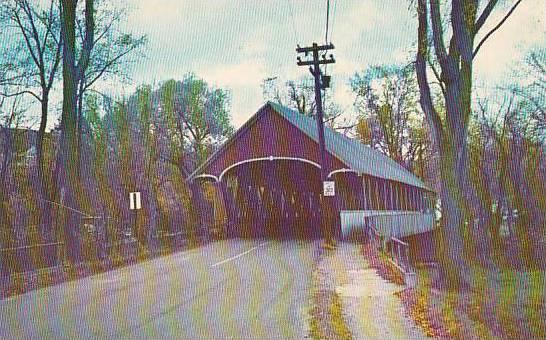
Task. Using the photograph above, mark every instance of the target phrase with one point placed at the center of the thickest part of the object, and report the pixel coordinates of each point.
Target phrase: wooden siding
(270, 135)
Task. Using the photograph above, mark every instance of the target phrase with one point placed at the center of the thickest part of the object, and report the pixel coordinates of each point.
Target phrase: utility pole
(321, 82)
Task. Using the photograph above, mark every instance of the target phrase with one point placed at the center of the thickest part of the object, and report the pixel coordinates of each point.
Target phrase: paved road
(226, 290)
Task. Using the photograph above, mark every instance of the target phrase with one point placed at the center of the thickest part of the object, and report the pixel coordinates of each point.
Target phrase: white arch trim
(206, 176)
(270, 158)
(342, 170)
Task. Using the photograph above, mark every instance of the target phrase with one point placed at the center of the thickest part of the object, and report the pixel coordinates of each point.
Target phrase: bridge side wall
(270, 135)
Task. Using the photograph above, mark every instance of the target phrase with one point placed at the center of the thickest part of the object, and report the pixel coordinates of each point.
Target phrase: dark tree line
(102, 147)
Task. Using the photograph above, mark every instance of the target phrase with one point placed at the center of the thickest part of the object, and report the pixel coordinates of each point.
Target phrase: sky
(237, 44)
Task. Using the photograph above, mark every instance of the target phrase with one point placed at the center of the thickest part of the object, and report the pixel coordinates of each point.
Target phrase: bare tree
(389, 118)
(532, 94)
(10, 118)
(110, 52)
(37, 57)
(300, 95)
(450, 132)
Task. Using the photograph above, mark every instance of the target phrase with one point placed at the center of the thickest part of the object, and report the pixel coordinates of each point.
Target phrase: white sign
(329, 188)
(134, 201)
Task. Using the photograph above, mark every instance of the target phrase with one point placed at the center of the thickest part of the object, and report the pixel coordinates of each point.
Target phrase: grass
(336, 317)
(518, 298)
(327, 317)
(504, 305)
(326, 310)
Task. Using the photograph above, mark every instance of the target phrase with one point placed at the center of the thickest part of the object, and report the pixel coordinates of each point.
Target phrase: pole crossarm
(322, 81)
(316, 47)
(320, 62)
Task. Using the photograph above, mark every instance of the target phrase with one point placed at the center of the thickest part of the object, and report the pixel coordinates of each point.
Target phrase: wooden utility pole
(321, 82)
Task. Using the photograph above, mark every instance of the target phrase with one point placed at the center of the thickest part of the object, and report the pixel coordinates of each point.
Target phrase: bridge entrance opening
(277, 198)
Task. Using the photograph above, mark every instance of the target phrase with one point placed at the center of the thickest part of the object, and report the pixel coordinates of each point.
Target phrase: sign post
(134, 201)
(135, 204)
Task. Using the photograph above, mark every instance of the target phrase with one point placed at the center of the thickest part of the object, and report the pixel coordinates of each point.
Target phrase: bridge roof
(355, 155)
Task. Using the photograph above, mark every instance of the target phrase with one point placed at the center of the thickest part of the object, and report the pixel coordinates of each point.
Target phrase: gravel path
(371, 310)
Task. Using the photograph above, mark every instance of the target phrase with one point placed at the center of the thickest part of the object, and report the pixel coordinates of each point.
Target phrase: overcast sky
(236, 44)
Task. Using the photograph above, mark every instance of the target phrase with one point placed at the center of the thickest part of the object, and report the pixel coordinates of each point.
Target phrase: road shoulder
(370, 309)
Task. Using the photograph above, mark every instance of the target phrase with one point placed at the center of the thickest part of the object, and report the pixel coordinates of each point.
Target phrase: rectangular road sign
(134, 201)
(329, 188)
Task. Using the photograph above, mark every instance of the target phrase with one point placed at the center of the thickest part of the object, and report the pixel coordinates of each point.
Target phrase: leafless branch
(437, 32)
(420, 67)
(494, 29)
(485, 14)
(18, 93)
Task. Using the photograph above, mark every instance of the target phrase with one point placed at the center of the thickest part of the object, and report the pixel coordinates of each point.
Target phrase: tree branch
(55, 66)
(496, 28)
(437, 32)
(437, 76)
(25, 36)
(47, 24)
(89, 38)
(107, 65)
(7, 95)
(420, 68)
(35, 35)
(107, 28)
(485, 14)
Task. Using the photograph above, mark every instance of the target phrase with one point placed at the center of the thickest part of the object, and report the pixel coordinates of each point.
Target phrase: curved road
(231, 289)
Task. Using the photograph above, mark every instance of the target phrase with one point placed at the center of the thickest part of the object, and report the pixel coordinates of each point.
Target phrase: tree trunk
(6, 160)
(68, 158)
(79, 123)
(454, 210)
(45, 187)
(40, 138)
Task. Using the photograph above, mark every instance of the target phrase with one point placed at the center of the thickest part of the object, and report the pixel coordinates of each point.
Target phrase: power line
(329, 28)
(327, 20)
(334, 11)
(291, 9)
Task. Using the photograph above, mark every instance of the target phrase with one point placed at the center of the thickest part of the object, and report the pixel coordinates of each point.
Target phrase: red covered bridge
(269, 177)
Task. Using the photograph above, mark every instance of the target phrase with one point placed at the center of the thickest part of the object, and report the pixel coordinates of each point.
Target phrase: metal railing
(375, 238)
(399, 253)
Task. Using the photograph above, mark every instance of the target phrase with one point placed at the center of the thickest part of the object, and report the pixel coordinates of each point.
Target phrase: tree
(389, 118)
(110, 52)
(34, 62)
(74, 66)
(196, 114)
(507, 168)
(152, 133)
(532, 94)
(450, 132)
(300, 96)
(10, 118)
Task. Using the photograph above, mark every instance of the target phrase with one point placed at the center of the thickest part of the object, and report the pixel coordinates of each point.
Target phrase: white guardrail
(388, 223)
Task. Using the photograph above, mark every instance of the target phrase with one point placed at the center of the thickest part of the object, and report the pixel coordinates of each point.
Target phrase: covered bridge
(269, 175)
